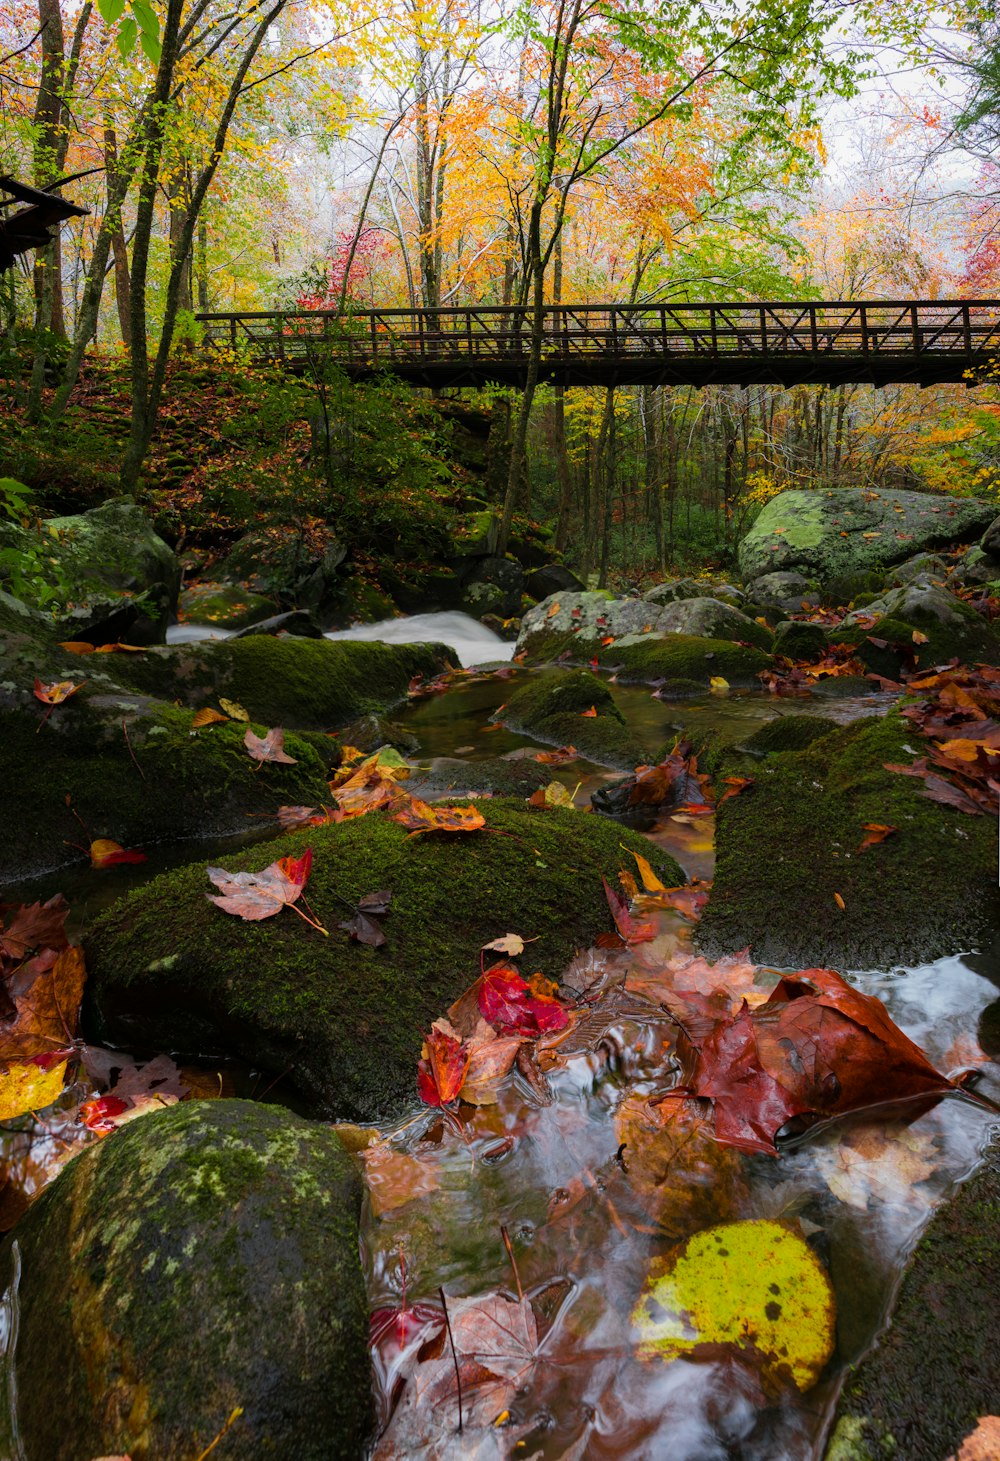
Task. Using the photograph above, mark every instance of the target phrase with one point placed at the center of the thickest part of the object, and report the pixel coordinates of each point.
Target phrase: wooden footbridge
(928, 342)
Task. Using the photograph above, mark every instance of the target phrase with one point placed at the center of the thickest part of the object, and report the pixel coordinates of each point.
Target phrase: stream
(574, 1173)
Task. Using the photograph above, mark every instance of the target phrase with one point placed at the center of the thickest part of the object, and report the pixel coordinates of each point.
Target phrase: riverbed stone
(824, 532)
(673, 590)
(307, 684)
(114, 577)
(553, 707)
(933, 1372)
(791, 843)
(952, 628)
(300, 573)
(922, 567)
(551, 578)
(169, 970)
(223, 605)
(493, 586)
(202, 1258)
(798, 640)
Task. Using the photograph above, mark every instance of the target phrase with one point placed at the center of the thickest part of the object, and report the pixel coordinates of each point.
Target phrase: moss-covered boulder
(945, 627)
(590, 618)
(674, 590)
(797, 640)
(451, 777)
(555, 707)
(169, 970)
(790, 845)
(204, 1258)
(103, 569)
(826, 532)
(933, 1372)
(309, 684)
(224, 605)
(121, 757)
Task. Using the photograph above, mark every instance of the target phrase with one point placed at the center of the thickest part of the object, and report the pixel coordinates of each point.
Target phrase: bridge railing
(370, 339)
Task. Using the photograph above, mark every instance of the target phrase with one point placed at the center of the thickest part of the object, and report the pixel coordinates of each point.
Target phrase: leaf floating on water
(268, 748)
(755, 1287)
(508, 1002)
(884, 1163)
(394, 1178)
(105, 853)
(630, 929)
(138, 1090)
(30, 1087)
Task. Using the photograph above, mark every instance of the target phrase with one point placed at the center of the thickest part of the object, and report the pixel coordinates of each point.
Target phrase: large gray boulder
(100, 575)
(592, 617)
(825, 533)
(202, 1258)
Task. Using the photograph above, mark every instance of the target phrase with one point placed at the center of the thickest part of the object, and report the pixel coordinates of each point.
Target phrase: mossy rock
(800, 641)
(307, 684)
(169, 970)
(933, 1372)
(451, 776)
(728, 752)
(829, 532)
(552, 707)
(683, 661)
(163, 783)
(945, 628)
(204, 1257)
(788, 846)
(557, 692)
(99, 562)
(224, 605)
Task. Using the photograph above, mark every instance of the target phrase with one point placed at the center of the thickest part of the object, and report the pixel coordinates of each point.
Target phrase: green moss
(162, 783)
(968, 639)
(311, 684)
(933, 1372)
(227, 606)
(787, 846)
(682, 657)
(344, 1019)
(203, 1258)
(557, 692)
(600, 738)
(787, 733)
(799, 641)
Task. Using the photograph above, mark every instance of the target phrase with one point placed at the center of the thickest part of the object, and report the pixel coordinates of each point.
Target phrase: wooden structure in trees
(825, 342)
(30, 227)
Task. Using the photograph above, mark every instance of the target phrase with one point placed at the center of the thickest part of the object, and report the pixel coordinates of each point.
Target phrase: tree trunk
(118, 246)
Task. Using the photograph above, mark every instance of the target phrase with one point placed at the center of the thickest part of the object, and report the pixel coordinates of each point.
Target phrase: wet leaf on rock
(268, 748)
(253, 896)
(443, 1065)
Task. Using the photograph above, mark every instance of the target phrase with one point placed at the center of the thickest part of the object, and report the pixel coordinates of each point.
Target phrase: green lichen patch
(786, 847)
(308, 684)
(933, 1372)
(169, 970)
(203, 1258)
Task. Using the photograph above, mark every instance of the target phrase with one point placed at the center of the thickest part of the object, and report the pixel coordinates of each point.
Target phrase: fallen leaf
(556, 758)
(46, 1009)
(76, 646)
(30, 1087)
(508, 1002)
(34, 926)
(509, 943)
(918, 637)
(736, 785)
(138, 1090)
(233, 709)
(553, 610)
(419, 816)
(207, 716)
(589, 714)
(268, 748)
(254, 896)
(884, 1163)
(839, 902)
(984, 1442)
(754, 1287)
(816, 1048)
(650, 881)
(718, 685)
(553, 795)
(363, 925)
(671, 1159)
(394, 1178)
(875, 832)
(491, 1057)
(630, 929)
(105, 853)
(56, 693)
(443, 1065)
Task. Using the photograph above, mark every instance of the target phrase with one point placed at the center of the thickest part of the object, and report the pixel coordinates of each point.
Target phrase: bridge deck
(880, 341)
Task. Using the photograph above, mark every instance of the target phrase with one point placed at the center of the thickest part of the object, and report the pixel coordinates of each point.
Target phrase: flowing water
(568, 1164)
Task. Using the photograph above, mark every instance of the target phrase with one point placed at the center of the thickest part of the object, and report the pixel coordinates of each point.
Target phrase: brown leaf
(394, 1179)
(268, 748)
(419, 816)
(46, 1011)
(875, 832)
(207, 716)
(56, 693)
(254, 896)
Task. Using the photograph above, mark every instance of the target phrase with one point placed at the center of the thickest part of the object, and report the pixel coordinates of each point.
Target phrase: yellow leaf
(233, 709)
(755, 1282)
(207, 716)
(919, 638)
(718, 685)
(650, 881)
(839, 901)
(29, 1088)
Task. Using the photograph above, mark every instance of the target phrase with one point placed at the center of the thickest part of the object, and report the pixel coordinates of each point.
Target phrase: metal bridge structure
(881, 342)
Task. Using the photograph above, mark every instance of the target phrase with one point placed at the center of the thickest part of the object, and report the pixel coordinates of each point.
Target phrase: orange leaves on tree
(443, 1065)
(815, 1049)
(268, 748)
